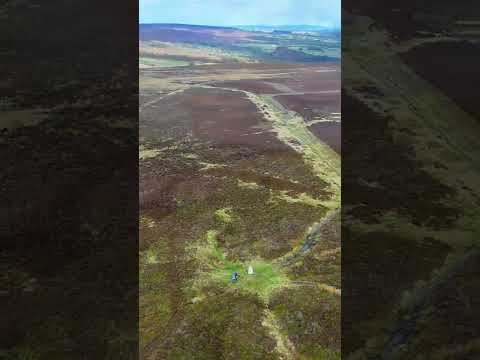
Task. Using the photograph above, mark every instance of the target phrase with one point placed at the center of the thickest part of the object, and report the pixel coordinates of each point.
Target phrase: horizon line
(226, 26)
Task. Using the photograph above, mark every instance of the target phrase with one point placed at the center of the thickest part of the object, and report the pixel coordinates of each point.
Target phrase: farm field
(235, 172)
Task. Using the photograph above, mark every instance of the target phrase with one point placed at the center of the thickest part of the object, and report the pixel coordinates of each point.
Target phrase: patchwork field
(231, 176)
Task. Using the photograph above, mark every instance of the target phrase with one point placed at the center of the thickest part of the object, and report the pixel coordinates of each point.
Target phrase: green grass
(147, 154)
(224, 215)
(267, 276)
(161, 62)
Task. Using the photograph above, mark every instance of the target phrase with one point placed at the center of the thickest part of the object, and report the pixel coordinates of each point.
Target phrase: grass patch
(302, 198)
(146, 61)
(267, 276)
(151, 257)
(224, 215)
(248, 185)
(148, 154)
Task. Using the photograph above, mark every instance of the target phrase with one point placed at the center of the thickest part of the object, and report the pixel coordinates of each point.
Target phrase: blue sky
(241, 12)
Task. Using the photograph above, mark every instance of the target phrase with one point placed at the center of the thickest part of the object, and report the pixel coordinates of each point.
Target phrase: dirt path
(331, 289)
(312, 238)
(291, 130)
(285, 347)
(293, 93)
(154, 101)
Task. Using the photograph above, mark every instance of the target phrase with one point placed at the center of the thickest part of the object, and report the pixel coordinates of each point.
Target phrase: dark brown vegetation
(226, 326)
(255, 86)
(450, 306)
(406, 293)
(191, 34)
(411, 191)
(68, 219)
(386, 265)
(269, 182)
(310, 316)
(315, 78)
(310, 106)
(330, 133)
(226, 117)
(454, 63)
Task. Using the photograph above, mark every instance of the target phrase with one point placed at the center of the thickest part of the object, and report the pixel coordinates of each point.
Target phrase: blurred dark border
(69, 179)
(410, 180)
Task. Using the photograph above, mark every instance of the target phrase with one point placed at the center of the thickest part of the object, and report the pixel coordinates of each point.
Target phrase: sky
(241, 12)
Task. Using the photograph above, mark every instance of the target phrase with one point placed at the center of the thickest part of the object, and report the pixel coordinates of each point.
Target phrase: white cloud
(238, 12)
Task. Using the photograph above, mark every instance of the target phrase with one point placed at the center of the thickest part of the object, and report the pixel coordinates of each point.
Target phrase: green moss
(224, 215)
(208, 253)
(151, 257)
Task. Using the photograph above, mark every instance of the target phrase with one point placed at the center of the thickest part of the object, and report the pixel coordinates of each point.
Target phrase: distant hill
(184, 26)
(190, 33)
(265, 43)
(289, 28)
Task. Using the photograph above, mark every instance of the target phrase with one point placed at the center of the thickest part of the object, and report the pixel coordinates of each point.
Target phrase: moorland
(239, 166)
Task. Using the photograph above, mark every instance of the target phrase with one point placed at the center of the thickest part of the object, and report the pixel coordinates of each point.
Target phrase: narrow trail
(291, 129)
(326, 287)
(160, 98)
(284, 346)
(293, 93)
(312, 238)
